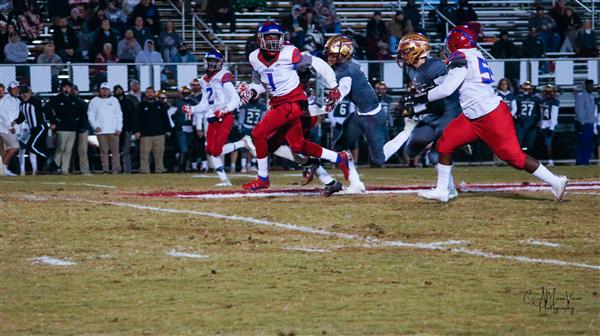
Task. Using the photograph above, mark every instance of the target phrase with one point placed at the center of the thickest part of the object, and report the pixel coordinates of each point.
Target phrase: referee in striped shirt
(31, 111)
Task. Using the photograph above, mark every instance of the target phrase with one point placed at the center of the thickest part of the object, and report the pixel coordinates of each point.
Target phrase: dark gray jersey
(447, 108)
(361, 93)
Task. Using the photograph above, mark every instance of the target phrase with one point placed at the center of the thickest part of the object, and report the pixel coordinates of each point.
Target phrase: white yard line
(174, 253)
(369, 241)
(307, 249)
(53, 261)
(539, 243)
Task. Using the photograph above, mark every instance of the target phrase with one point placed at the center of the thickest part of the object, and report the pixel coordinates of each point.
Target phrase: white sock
(263, 167)
(391, 147)
(194, 165)
(443, 176)
(329, 155)
(33, 161)
(22, 160)
(217, 165)
(233, 146)
(284, 152)
(323, 175)
(353, 173)
(451, 185)
(545, 175)
(204, 164)
(232, 167)
(244, 162)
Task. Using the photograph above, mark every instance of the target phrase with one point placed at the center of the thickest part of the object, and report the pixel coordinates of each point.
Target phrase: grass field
(388, 264)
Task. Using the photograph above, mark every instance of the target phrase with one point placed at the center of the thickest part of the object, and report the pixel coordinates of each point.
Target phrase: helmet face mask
(339, 49)
(271, 37)
(412, 48)
(213, 61)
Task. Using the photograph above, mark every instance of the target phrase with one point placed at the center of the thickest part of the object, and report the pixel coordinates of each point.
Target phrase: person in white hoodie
(106, 118)
(9, 111)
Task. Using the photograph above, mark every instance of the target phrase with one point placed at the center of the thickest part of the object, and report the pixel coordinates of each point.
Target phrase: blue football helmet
(213, 60)
(271, 28)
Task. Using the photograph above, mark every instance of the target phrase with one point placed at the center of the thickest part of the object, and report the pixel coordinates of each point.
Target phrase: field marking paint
(306, 249)
(473, 188)
(34, 198)
(65, 183)
(53, 261)
(368, 241)
(531, 241)
(174, 253)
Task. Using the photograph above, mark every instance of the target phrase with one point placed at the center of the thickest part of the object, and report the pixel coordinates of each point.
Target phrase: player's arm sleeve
(324, 70)
(455, 77)
(345, 85)
(554, 117)
(513, 107)
(256, 85)
(233, 97)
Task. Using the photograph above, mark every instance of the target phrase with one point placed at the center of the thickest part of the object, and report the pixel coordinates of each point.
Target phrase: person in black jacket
(66, 41)
(128, 108)
(31, 111)
(150, 125)
(104, 34)
(62, 110)
(83, 131)
(465, 13)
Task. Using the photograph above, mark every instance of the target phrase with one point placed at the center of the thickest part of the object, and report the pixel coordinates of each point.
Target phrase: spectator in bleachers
(128, 48)
(313, 41)
(116, 16)
(221, 11)
(5, 8)
(568, 26)
(412, 13)
(585, 43)
(376, 34)
(102, 36)
(183, 55)
(184, 127)
(585, 118)
(148, 55)
(397, 27)
(135, 92)
(93, 21)
(62, 110)
(545, 26)
(150, 126)
(65, 41)
(149, 12)
(465, 13)
(29, 22)
(309, 22)
(168, 40)
(140, 32)
(329, 21)
(128, 107)
(106, 119)
(532, 46)
(504, 48)
(439, 22)
(128, 5)
(557, 10)
(105, 57)
(15, 51)
(76, 19)
(292, 25)
(83, 131)
(59, 8)
(3, 39)
(49, 56)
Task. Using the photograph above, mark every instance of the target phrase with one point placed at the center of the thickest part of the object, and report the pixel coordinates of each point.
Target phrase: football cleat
(225, 183)
(331, 189)
(7, 172)
(343, 164)
(435, 194)
(249, 145)
(452, 194)
(356, 188)
(308, 174)
(256, 184)
(559, 190)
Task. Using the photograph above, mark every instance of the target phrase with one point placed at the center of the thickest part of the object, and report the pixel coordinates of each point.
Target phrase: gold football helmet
(527, 87)
(411, 48)
(338, 49)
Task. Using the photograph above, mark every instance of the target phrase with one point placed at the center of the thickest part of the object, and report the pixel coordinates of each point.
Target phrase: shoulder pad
(457, 63)
(296, 56)
(226, 77)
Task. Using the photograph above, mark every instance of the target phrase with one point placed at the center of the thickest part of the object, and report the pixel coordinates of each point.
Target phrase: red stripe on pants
(496, 129)
(284, 118)
(217, 134)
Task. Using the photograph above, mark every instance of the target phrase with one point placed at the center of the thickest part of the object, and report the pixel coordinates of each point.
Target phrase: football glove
(332, 98)
(245, 92)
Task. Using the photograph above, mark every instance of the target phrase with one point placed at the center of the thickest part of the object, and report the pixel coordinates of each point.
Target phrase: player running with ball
(275, 65)
(485, 116)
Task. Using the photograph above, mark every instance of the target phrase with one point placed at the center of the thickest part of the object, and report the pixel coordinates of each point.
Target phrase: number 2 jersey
(218, 93)
(470, 73)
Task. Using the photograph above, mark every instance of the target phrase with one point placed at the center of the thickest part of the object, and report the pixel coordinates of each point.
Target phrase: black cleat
(331, 189)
